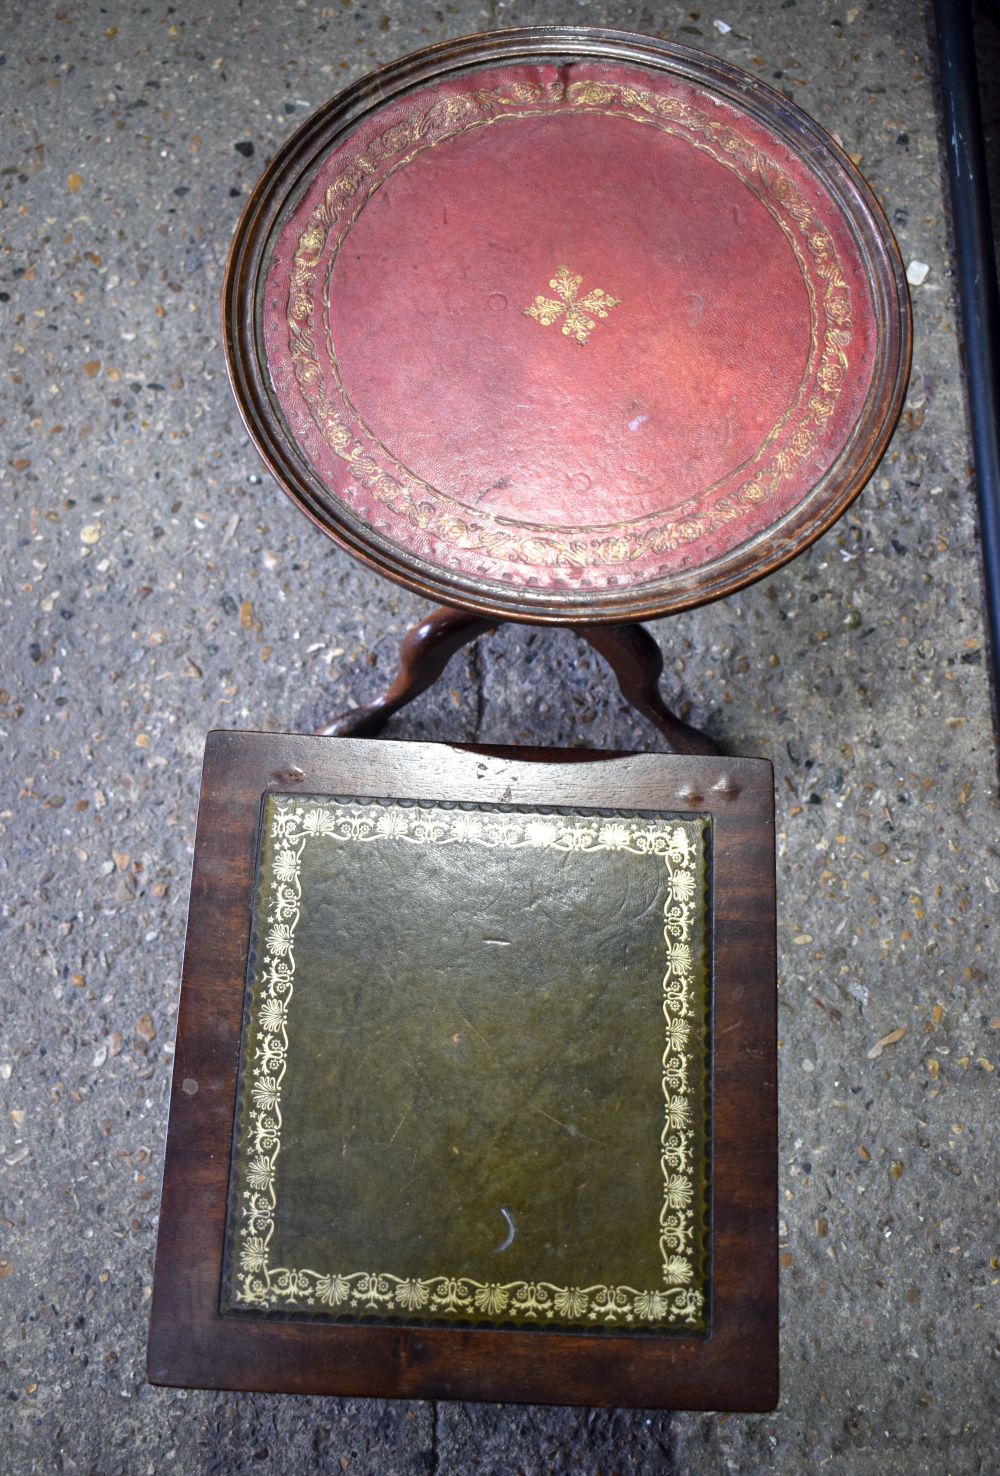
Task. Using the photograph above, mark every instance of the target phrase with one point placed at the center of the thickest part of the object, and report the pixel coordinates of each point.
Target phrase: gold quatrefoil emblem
(575, 311)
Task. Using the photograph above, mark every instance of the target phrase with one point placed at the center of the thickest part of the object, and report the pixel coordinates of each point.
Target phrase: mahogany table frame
(734, 1366)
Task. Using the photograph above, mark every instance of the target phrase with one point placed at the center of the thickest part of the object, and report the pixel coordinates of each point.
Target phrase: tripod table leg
(637, 662)
(423, 656)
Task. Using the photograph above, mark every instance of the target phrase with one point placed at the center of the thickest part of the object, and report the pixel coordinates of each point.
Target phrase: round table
(569, 327)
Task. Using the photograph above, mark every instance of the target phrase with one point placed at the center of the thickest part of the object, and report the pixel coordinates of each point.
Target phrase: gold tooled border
(257, 1284)
(501, 544)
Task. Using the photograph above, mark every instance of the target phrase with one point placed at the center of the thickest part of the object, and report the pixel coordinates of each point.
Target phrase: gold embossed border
(257, 1283)
(500, 542)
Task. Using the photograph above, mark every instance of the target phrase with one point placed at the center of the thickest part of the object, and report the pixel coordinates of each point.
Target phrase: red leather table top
(559, 333)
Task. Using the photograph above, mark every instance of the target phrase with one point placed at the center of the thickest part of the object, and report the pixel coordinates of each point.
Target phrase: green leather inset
(473, 1068)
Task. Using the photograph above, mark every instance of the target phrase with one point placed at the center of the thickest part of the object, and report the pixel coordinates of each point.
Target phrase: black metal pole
(977, 282)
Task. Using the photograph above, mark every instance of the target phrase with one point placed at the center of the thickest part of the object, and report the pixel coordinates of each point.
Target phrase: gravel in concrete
(154, 584)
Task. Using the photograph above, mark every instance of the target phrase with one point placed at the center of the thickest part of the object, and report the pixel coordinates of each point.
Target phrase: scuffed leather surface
(676, 387)
(688, 387)
(473, 1031)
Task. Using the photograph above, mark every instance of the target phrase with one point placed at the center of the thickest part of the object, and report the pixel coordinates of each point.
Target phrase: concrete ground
(155, 584)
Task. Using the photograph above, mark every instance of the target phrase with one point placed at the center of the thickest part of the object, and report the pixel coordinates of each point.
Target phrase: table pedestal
(629, 650)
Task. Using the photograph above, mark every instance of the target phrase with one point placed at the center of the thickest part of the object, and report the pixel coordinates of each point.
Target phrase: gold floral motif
(499, 541)
(296, 823)
(577, 322)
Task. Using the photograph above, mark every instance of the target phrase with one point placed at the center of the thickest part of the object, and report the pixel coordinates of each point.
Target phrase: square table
(474, 1090)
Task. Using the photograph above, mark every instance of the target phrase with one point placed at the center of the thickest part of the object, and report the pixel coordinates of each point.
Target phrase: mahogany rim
(739, 567)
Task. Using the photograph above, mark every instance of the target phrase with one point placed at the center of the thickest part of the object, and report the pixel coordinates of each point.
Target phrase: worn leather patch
(473, 1068)
(581, 326)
